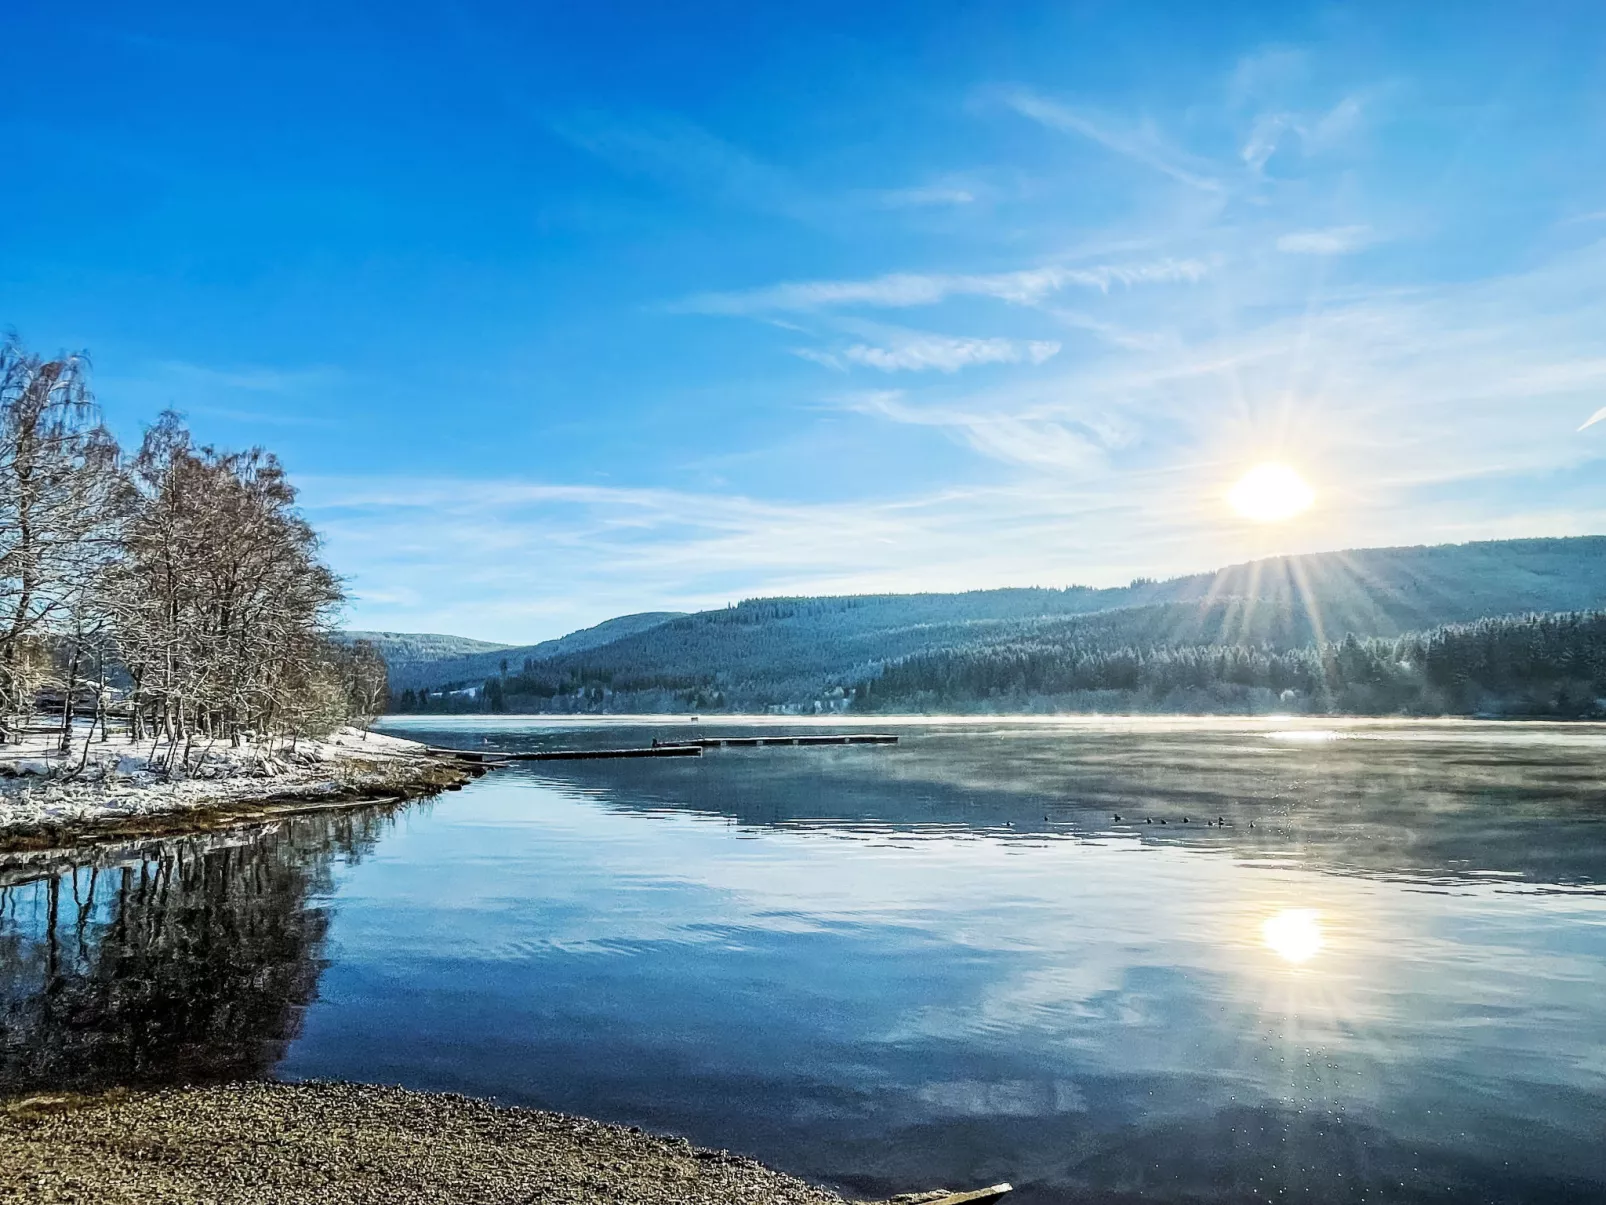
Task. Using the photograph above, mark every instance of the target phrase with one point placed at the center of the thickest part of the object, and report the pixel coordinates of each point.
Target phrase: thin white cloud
(1598, 416)
(1380, 393)
(1334, 240)
(927, 196)
(1264, 137)
(823, 358)
(1312, 134)
(1035, 439)
(905, 289)
(1337, 124)
(1110, 332)
(919, 352)
(682, 155)
(1142, 145)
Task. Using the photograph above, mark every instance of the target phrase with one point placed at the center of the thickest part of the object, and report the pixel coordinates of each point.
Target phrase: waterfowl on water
(1149, 820)
(1162, 819)
(1185, 820)
(1116, 817)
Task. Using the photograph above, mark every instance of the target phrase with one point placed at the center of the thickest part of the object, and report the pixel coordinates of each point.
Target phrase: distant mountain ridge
(406, 647)
(793, 651)
(479, 659)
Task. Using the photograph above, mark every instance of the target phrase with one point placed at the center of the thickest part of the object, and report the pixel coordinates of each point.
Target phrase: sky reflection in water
(947, 963)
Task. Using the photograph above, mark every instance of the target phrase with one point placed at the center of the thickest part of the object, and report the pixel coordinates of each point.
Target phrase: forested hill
(802, 652)
(406, 653)
(451, 659)
(1551, 664)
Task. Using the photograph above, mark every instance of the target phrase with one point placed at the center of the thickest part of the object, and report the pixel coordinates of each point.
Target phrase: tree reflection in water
(174, 961)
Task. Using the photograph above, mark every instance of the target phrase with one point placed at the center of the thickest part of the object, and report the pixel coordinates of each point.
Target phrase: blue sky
(561, 311)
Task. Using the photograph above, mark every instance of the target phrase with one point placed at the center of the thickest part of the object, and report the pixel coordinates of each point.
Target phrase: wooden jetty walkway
(487, 758)
(691, 747)
(747, 742)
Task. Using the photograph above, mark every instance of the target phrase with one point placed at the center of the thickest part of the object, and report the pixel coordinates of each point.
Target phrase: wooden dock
(484, 757)
(685, 747)
(749, 742)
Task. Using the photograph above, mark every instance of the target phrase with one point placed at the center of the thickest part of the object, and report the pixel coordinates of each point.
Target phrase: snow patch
(39, 785)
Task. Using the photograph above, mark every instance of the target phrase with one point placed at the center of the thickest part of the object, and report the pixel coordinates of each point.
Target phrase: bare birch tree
(365, 681)
(224, 607)
(58, 531)
(188, 569)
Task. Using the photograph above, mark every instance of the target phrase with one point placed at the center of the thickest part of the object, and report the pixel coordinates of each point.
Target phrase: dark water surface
(889, 968)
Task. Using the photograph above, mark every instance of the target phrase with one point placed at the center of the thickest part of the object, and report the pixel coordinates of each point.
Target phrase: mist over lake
(943, 962)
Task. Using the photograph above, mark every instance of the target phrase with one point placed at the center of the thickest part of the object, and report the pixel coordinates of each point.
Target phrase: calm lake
(887, 968)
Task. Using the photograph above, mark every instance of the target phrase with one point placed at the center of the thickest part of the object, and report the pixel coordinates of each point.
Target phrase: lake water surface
(888, 968)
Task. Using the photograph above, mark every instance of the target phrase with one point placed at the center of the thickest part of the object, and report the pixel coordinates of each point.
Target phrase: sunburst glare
(1270, 493)
(1294, 934)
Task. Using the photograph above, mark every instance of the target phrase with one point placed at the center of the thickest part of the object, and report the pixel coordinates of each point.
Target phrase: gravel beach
(328, 1144)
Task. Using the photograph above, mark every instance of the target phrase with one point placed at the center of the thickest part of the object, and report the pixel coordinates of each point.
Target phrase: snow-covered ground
(41, 788)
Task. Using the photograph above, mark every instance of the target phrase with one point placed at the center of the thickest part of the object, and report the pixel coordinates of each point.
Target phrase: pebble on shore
(329, 1144)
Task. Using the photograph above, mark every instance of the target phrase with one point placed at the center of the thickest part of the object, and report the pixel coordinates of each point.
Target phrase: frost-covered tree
(222, 605)
(58, 523)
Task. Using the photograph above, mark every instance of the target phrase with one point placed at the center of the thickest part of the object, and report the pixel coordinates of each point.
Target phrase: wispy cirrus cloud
(1334, 240)
(1311, 133)
(1029, 438)
(917, 352)
(897, 349)
(682, 155)
(905, 289)
(1141, 144)
(926, 196)
(1441, 371)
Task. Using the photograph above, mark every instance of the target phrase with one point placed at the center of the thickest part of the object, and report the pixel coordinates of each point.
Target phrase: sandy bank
(328, 1144)
(48, 800)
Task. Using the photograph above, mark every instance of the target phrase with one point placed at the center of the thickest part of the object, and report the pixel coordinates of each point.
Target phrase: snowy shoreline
(47, 797)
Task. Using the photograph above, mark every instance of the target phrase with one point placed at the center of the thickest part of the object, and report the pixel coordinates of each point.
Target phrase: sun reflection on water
(1294, 934)
(1306, 736)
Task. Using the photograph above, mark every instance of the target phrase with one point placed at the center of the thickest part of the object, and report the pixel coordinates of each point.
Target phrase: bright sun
(1294, 934)
(1270, 493)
